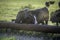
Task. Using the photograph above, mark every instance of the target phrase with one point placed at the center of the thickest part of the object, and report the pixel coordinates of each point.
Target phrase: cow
(42, 14)
(35, 16)
(24, 16)
(55, 17)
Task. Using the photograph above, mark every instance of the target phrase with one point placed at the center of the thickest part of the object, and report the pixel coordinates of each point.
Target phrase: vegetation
(12, 36)
(7, 38)
(10, 8)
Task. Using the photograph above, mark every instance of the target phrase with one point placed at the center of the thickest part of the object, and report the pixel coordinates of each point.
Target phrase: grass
(10, 8)
(7, 38)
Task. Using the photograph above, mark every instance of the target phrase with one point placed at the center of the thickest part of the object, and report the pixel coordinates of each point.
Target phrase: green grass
(10, 8)
(7, 38)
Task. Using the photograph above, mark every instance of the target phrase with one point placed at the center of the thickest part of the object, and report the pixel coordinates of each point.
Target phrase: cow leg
(46, 22)
(17, 20)
(43, 23)
(57, 24)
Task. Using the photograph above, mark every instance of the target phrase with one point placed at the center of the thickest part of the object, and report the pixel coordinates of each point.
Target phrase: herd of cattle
(38, 16)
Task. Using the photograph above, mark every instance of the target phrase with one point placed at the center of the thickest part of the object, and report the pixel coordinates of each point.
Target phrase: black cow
(55, 17)
(42, 15)
(25, 16)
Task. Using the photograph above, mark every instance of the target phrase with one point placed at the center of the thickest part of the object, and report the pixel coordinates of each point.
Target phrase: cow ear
(47, 4)
(59, 4)
(51, 2)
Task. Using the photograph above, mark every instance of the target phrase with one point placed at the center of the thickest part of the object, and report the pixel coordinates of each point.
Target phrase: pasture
(10, 8)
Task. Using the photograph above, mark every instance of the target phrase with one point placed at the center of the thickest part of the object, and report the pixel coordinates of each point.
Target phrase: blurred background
(9, 10)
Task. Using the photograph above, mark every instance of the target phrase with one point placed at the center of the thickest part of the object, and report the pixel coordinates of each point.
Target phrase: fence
(31, 27)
